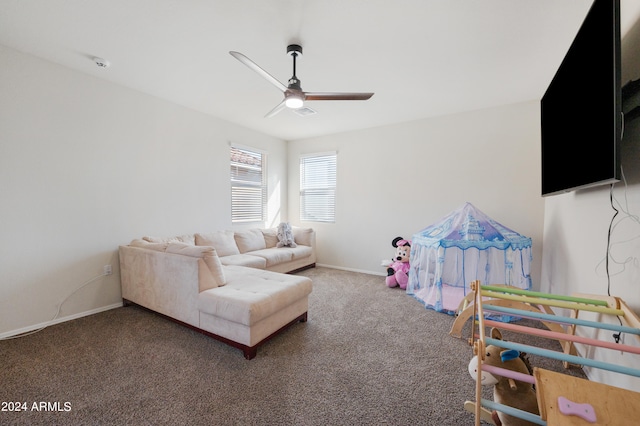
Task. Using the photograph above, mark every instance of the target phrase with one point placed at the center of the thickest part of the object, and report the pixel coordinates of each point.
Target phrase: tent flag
(464, 246)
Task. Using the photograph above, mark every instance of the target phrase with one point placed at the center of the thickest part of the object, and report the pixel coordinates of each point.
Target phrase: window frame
(318, 189)
(244, 198)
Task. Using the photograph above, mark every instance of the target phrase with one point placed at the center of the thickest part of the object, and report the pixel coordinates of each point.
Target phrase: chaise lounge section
(241, 298)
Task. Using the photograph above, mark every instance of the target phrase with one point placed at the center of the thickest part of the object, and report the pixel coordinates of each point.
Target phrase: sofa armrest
(167, 283)
(304, 236)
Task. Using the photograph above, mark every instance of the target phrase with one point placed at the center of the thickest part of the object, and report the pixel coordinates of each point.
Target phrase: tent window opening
(248, 185)
(318, 187)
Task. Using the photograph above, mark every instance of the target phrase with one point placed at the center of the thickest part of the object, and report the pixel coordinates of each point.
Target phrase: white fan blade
(248, 62)
(276, 110)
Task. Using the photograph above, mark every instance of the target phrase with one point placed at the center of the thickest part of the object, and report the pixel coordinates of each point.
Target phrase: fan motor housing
(294, 49)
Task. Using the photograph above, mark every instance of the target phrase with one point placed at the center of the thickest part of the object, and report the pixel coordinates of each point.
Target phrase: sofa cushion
(158, 246)
(273, 256)
(244, 260)
(252, 295)
(213, 276)
(187, 238)
(188, 250)
(302, 235)
(223, 241)
(299, 252)
(250, 240)
(270, 237)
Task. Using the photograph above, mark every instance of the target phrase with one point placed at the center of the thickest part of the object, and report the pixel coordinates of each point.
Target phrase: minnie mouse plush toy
(398, 270)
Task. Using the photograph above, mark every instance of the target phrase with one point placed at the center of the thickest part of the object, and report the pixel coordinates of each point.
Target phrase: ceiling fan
(294, 96)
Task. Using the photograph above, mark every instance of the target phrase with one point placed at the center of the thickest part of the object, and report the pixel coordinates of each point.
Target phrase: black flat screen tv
(581, 110)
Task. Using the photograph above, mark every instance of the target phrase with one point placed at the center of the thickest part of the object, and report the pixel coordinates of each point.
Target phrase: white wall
(576, 227)
(85, 166)
(397, 180)
(576, 230)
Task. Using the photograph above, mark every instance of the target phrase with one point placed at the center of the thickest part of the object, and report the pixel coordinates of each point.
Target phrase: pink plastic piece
(570, 408)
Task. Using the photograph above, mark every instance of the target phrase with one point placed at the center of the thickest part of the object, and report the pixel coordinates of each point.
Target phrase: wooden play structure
(562, 399)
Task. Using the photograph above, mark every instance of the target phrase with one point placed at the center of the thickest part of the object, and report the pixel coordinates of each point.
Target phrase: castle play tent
(464, 246)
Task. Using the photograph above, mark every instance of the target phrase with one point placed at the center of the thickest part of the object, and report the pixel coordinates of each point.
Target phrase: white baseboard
(58, 321)
(362, 271)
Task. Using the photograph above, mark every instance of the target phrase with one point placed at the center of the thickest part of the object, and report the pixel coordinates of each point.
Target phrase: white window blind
(248, 187)
(318, 187)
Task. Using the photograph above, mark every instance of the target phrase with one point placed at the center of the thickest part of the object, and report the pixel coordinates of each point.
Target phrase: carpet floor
(368, 355)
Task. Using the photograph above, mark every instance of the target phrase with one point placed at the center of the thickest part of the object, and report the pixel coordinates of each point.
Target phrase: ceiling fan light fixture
(294, 96)
(293, 102)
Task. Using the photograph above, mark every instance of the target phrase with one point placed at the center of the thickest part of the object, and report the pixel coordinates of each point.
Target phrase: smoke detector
(102, 63)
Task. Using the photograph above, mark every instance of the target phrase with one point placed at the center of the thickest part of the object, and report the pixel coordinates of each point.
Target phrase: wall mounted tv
(581, 111)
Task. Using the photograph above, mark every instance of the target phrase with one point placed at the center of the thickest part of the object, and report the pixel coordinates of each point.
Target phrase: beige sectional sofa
(232, 286)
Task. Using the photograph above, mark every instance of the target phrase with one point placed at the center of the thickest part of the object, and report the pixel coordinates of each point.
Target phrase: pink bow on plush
(403, 243)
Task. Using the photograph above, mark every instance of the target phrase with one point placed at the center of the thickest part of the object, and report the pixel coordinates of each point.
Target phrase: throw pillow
(270, 237)
(222, 241)
(250, 240)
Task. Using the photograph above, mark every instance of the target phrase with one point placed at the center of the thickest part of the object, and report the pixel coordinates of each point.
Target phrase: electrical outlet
(107, 269)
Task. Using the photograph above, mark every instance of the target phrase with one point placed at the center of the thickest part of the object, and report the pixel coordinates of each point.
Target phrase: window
(248, 185)
(318, 187)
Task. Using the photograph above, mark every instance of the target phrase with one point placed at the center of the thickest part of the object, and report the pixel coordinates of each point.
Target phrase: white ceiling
(422, 58)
